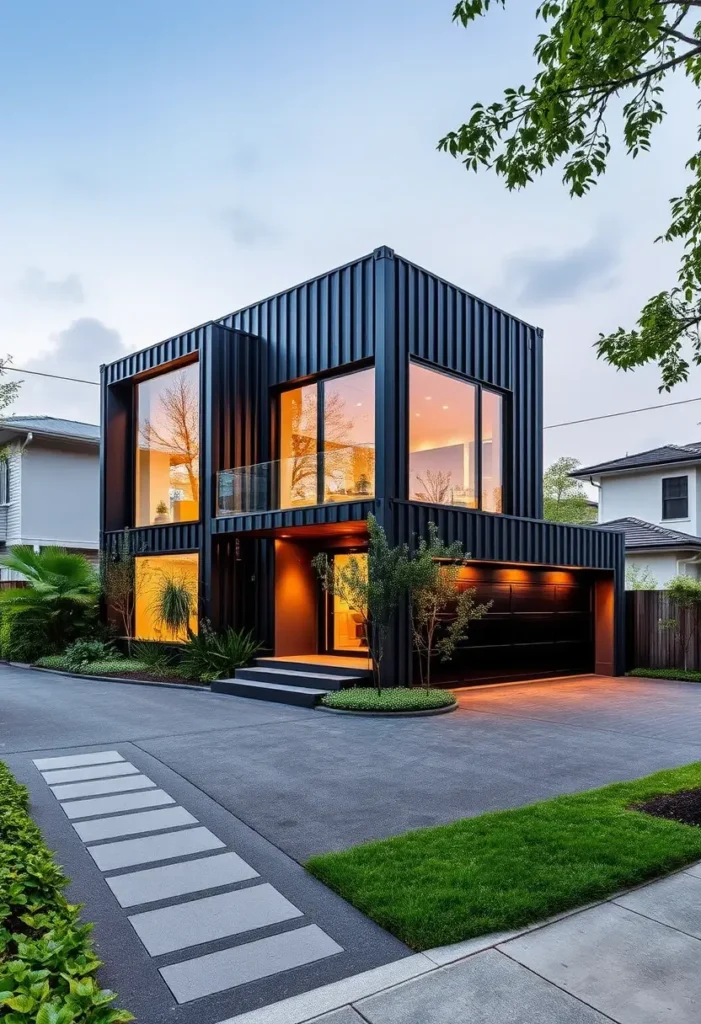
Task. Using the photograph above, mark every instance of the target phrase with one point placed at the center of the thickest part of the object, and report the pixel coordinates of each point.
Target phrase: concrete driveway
(311, 782)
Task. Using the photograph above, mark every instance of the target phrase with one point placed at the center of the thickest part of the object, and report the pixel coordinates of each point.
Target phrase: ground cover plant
(680, 674)
(508, 869)
(395, 699)
(47, 963)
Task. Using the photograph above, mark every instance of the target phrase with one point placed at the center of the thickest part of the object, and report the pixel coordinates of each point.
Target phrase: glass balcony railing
(318, 478)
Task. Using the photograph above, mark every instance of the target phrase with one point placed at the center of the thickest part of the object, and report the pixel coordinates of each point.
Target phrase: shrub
(174, 604)
(24, 637)
(154, 656)
(47, 964)
(208, 655)
(82, 653)
(680, 674)
(395, 699)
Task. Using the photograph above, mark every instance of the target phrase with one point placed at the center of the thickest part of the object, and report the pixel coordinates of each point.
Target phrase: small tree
(685, 597)
(564, 499)
(434, 588)
(640, 577)
(372, 587)
(117, 572)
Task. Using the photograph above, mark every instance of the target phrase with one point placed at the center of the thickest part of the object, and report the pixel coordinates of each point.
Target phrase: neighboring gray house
(49, 484)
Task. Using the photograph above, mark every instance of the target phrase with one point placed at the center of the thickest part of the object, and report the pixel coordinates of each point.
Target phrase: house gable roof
(52, 426)
(640, 534)
(666, 455)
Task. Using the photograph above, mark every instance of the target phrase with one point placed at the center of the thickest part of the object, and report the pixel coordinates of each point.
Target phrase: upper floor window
(675, 497)
(168, 447)
(4, 480)
(327, 441)
(456, 440)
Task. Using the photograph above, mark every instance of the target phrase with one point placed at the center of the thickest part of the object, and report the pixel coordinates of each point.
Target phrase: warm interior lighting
(348, 631)
(151, 572)
(492, 446)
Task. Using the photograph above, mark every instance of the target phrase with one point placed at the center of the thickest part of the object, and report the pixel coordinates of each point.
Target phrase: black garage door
(540, 624)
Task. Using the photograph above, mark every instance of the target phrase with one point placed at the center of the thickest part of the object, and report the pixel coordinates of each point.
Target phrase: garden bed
(508, 869)
(684, 806)
(680, 675)
(47, 963)
(391, 701)
(122, 669)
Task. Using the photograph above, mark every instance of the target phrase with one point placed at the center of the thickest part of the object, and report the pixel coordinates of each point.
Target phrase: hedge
(47, 963)
(395, 698)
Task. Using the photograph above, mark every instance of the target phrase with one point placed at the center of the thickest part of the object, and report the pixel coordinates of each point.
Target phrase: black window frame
(670, 510)
(5, 480)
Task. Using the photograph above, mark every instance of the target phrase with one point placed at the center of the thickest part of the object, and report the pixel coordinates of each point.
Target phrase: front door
(342, 630)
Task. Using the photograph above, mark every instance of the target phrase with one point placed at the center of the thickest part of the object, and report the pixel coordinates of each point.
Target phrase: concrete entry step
(291, 677)
(319, 665)
(301, 696)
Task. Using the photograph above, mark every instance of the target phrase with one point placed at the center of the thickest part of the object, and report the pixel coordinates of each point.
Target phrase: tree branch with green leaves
(592, 54)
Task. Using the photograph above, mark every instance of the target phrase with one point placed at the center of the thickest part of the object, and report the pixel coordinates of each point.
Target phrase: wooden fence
(649, 644)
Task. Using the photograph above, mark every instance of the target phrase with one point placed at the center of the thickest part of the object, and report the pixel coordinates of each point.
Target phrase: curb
(199, 687)
(426, 713)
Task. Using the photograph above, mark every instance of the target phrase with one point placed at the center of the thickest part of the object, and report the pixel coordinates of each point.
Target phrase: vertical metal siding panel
(322, 359)
(346, 314)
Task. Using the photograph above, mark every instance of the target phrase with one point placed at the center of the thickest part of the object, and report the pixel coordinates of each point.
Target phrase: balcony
(318, 478)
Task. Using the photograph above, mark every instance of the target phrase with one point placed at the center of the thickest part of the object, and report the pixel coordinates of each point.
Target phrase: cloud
(246, 229)
(36, 285)
(77, 351)
(538, 278)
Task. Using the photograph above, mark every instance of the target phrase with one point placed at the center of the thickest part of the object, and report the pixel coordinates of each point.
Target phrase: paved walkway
(635, 959)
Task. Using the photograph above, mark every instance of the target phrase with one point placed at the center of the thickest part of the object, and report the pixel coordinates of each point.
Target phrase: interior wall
(296, 600)
(604, 627)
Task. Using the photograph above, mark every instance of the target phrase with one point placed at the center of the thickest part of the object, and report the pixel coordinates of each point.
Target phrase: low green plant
(395, 699)
(47, 964)
(82, 653)
(56, 661)
(681, 674)
(173, 605)
(114, 666)
(154, 656)
(208, 655)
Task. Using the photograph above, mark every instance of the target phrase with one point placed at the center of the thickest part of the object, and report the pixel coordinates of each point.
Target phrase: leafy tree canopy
(564, 499)
(592, 55)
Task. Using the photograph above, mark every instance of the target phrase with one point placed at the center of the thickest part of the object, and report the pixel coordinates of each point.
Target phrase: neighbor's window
(151, 574)
(4, 481)
(442, 438)
(327, 441)
(492, 446)
(675, 497)
(168, 448)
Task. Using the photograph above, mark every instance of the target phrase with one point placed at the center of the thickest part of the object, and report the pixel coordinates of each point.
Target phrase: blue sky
(163, 163)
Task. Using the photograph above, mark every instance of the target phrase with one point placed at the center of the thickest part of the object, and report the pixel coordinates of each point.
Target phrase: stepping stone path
(107, 800)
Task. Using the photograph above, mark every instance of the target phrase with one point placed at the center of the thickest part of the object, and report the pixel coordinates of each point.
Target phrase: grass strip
(363, 698)
(47, 963)
(680, 674)
(508, 869)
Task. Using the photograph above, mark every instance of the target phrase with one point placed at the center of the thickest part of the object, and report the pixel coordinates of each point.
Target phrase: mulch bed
(684, 806)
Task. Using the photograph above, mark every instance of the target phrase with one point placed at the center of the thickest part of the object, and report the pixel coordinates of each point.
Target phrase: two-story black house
(238, 450)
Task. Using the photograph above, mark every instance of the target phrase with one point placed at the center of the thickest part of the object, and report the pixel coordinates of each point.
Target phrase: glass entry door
(342, 626)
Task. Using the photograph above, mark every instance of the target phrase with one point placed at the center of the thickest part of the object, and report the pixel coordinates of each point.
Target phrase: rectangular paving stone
(215, 972)
(487, 988)
(212, 917)
(97, 771)
(632, 969)
(100, 786)
(128, 852)
(132, 824)
(675, 901)
(76, 760)
(178, 879)
(112, 804)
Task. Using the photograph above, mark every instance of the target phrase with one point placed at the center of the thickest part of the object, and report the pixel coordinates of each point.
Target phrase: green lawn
(508, 869)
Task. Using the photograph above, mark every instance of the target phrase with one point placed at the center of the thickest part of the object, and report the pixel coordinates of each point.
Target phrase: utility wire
(549, 426)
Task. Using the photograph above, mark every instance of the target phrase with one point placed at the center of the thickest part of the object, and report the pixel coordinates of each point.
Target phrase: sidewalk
(633, 959)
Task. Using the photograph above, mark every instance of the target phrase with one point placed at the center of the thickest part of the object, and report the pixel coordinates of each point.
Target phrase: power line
(54, 376)
(626, 412)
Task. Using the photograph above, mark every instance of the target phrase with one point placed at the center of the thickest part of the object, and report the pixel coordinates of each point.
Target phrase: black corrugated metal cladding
(157, 540)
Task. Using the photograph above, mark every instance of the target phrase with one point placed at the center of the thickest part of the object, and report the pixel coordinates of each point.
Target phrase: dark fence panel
(650, 645)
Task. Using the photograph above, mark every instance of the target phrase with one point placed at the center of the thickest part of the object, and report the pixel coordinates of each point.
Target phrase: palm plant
(62, 592)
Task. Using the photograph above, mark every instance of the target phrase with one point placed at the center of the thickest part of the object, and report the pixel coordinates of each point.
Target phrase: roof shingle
(52, 425)
(640, 534)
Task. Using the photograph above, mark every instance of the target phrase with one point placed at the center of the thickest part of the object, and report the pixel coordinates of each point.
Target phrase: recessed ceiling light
(358, 404)
(445, 406)
(417, 413)
(428, 398)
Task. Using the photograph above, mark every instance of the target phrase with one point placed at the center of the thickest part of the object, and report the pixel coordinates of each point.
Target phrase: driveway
(206, 803)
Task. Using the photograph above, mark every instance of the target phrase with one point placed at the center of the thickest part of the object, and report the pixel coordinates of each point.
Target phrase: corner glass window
(298, 447)
(492, 448)
(442, 438)
(152, 575)
(168, 448)
(675, 497)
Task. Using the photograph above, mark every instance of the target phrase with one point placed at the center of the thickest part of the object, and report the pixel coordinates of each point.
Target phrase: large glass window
(327, 441)
(152, 575)
(492, 447)
(442, 438)
(349, 436)
(168, 448)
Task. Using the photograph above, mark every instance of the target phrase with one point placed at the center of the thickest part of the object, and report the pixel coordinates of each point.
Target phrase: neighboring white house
(655, 498)
(49, 484)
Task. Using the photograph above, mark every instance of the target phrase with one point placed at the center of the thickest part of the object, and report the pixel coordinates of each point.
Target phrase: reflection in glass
(150, 575)
(348, 625)
(168, 448)
(442, 433)
(349, 436)
(492, 443)
(298, 447)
